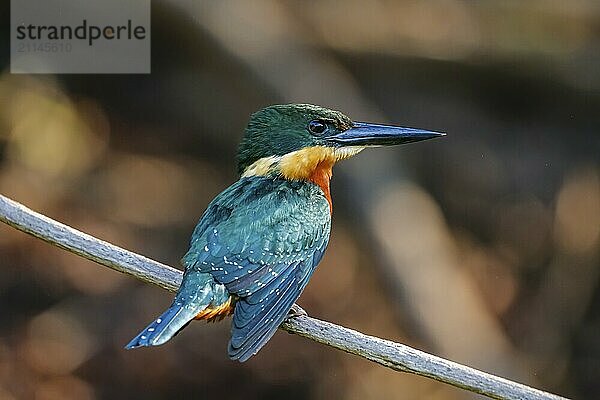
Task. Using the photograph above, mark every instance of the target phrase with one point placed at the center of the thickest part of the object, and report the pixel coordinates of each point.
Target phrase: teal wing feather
(262, 239)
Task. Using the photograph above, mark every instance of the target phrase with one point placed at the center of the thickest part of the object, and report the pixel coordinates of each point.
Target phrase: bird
(259, 241)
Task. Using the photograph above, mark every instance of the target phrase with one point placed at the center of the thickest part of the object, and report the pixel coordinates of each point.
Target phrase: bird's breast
(321, 176)
(313, 164)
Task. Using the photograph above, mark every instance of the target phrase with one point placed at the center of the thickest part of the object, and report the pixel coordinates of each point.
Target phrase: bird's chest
(321, 176)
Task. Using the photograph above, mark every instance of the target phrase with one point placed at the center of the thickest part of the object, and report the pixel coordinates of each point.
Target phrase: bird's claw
(296, 311)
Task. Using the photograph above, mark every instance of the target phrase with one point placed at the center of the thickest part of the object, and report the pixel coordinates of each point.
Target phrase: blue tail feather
(195, 294)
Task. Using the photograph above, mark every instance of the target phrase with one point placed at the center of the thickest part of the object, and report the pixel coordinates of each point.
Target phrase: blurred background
(482, 247)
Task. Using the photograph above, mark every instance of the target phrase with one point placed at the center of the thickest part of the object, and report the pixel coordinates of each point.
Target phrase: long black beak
(365, 134)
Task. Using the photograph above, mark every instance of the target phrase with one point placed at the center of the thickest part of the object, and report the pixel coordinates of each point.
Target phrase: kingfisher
(259, 241)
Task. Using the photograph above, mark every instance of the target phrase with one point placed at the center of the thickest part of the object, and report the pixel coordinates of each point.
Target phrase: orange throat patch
(313, 164)
(321, 176)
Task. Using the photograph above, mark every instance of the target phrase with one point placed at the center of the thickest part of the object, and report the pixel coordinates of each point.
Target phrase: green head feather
(281, 129)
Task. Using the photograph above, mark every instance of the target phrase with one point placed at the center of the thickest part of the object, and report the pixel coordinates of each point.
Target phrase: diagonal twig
(393, 355)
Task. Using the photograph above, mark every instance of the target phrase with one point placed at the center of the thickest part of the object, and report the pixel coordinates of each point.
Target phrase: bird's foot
(296, 311)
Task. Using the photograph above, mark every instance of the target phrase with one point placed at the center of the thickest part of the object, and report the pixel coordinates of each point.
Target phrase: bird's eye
(317, 127)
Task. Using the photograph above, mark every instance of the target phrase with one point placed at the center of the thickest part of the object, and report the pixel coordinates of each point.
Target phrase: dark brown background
(482, 247)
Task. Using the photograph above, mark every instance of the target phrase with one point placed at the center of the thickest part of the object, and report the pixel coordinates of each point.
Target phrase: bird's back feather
(261, 238)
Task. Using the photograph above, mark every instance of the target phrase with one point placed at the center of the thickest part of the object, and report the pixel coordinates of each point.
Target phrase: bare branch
(384, 352)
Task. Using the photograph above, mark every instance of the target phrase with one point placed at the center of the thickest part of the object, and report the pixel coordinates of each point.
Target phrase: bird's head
(298, 140)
